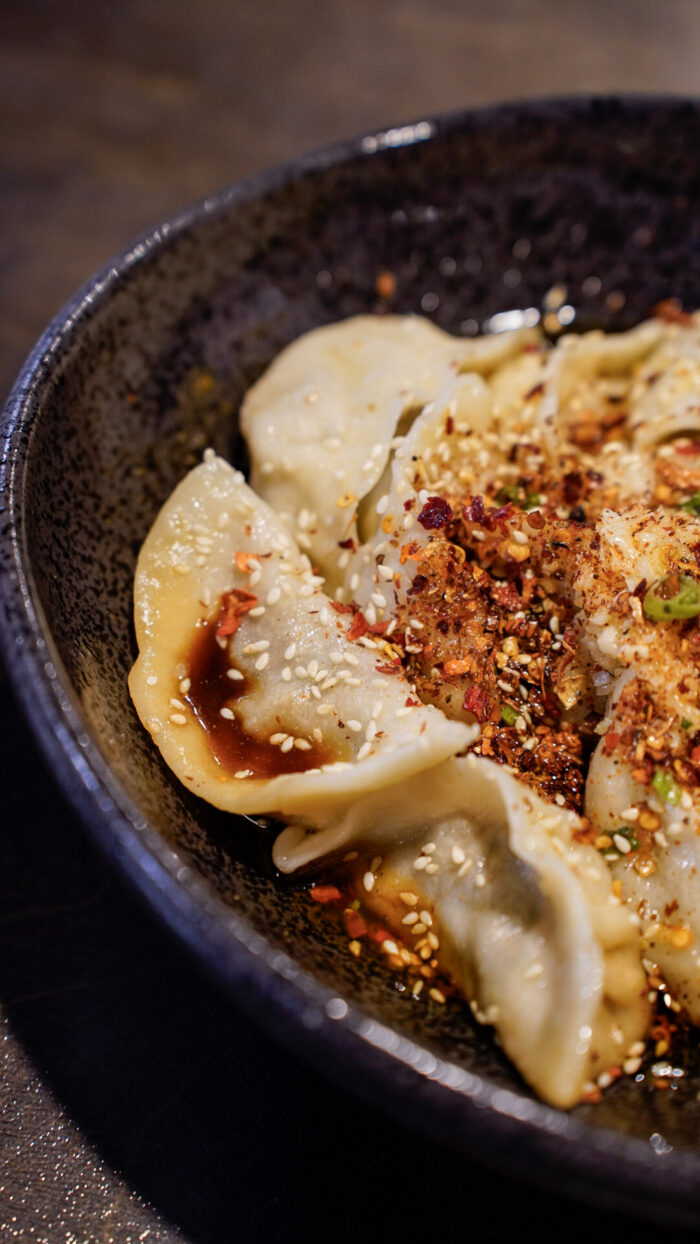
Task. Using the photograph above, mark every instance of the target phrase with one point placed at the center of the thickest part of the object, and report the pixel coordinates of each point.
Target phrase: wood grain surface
(113, 115)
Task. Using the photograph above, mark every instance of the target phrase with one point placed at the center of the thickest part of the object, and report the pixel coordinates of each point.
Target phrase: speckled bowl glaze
(474, 214)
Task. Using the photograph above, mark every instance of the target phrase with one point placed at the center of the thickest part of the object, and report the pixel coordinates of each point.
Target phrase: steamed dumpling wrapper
(526, 917)
(343, 390)
(303, 679)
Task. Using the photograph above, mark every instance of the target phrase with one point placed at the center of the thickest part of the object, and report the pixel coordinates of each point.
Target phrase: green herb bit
(509, 492)
(666, 787)
(532, 500)
(692, 505)
(686, 724)
(629, 832)
(508, 715)
(673, 598)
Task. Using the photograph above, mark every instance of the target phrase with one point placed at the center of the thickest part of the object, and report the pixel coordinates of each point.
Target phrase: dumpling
(635, 548)
(648, 826)
(575, 367)
(525, 916)
(665, 398)
(246, 677)
(345, 390)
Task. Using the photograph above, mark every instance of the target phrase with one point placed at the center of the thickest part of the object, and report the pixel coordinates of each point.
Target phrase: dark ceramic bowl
(474, 214)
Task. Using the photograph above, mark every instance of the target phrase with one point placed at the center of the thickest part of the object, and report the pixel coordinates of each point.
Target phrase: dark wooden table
(137, 1104)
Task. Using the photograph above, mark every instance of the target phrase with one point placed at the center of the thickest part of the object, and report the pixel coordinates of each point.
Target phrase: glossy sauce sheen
(232, 746)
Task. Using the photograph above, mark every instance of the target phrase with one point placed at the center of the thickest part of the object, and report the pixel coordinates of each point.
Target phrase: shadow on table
(224, 1132)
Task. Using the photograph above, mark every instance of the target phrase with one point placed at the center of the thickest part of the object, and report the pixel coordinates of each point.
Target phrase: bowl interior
(485, 215)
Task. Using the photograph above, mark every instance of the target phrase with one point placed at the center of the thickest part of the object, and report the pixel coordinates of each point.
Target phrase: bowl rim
(324, 1028)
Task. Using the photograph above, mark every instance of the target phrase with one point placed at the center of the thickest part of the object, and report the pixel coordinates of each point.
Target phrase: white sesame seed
(315, 692)
(378, 600)
(318, 734)
(630, 814)
(301, 671)
(178, 719)
(385, 572)
(418, 929)
(351, 659)
(262, 661)
(631, 1065)
(623, 846)
(535, 969)
(368, 881)
(426, 918)
(382, 504)
(420, 863)
(371, 731)
(429, 848)
(364, 751)
(355, 726)
(403, 711)
(278, 738)
(260, 645)
(303, 745)
(257, 612)
(286, 674)
(410, 918)
(480, 881)
(457, 855)
(287, 745)
(255, 577)
(185, 686)
(431, 868)
(519, 537)
(244, 773)
(324, 709)
(290, 652)
(354, 582)
(554, 624)
(177, 704)
(152, 680)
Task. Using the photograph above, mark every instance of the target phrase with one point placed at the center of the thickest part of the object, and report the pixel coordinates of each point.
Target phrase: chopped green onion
(532, 499)
(508, 715)
(666, 787)
(509, 492)
(684, 601)
(686, 724)
(628, 832)
(692, 505)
